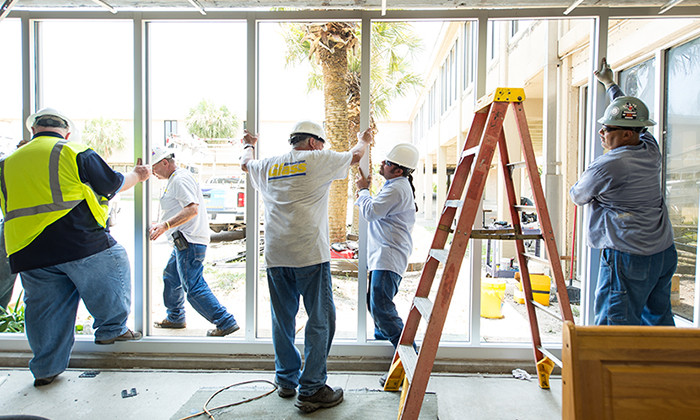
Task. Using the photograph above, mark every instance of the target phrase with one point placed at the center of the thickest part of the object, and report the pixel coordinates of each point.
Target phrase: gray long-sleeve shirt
(623, 188)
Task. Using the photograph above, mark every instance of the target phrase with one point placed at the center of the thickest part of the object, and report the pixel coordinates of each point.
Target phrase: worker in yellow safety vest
(54, 197)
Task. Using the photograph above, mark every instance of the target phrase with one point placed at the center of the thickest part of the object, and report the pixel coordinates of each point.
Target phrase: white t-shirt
(295, 188)
(182, 190)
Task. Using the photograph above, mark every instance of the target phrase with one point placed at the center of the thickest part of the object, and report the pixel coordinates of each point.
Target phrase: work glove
(604, 74)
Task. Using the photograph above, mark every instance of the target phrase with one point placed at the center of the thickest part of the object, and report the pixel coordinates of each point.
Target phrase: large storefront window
(682, 156)
(92, 83)
(197, 111)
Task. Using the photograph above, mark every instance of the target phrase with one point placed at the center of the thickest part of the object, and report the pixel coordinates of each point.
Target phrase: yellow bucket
(492, 292)
(541, 286)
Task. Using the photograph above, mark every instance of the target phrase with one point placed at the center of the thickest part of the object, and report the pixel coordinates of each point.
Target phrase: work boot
(325, 397)
(221, 333)
(127, 336)
(166, 323)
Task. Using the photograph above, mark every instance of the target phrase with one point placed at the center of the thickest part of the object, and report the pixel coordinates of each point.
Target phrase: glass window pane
(92, 83)
(683, 168)
(640, 81)
(11, 126)
(284, 101)
(197, 108)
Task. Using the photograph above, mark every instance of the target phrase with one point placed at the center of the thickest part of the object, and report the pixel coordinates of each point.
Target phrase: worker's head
(402, 160)
(162, 162)
(307, 135)
(49, 119)
(624, 119)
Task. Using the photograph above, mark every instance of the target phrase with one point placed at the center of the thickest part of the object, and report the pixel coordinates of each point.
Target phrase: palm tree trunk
(334, 65)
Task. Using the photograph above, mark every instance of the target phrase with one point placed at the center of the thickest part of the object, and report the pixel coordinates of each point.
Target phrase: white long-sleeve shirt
(391, 216)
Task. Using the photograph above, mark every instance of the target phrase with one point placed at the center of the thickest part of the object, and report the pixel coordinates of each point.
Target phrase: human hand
(366, 135)
(604, 74)
(249, 138)
(142, 171)
(361, 181)
(156, 230)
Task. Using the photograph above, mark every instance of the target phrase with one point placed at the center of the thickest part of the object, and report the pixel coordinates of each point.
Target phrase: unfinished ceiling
(213, 5)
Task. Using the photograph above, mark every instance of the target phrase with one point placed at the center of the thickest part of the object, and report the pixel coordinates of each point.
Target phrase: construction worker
(54, 198)
(391, 215)
(295, 188)
(185, 218)
(7, 277)
(629, 221)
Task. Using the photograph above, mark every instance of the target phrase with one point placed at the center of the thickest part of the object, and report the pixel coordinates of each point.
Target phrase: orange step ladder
(411, 371)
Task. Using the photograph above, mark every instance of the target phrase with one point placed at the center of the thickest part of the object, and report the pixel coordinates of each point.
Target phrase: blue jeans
(286, 284)
(52, 294)
(183, 275)
(383, 286)
(635, 289)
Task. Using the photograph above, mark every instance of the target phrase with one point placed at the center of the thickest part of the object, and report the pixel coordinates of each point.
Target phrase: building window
(639, 81)
(682, 167)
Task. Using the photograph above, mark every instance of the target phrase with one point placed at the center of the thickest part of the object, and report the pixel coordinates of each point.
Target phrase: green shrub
(12, 317)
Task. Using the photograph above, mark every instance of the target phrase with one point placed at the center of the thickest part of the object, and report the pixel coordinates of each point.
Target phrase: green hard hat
(627, 111)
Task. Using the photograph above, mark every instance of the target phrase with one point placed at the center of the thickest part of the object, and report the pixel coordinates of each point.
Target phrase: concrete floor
(160, 393)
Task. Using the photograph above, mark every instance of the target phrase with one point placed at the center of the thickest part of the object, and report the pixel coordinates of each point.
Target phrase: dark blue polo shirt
(77, 234)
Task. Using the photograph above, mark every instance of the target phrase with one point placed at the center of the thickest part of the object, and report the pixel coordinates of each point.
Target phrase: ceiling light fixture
(198, 6)
(5, 8)
(106, 6)
(669, 5)
(574, 5)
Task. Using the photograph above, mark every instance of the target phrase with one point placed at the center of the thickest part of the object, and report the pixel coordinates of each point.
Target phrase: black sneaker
(286, 392)
(325, 397)
(44, 381)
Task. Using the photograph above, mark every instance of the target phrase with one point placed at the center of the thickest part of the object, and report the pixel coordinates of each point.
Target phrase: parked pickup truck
(224, 197)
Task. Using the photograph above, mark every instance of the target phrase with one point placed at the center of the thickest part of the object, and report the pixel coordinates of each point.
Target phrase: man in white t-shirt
(185, 218)
(295, 188)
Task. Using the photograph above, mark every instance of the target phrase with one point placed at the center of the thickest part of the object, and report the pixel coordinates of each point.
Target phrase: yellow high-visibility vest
(39, 184)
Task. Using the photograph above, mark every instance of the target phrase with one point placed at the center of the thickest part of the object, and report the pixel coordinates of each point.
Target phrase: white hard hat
(404, 154)
(627, 111)
(49, 112)
(311, 128)
(160, 153)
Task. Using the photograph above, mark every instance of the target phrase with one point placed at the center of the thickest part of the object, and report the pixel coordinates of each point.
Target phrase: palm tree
(209, 121)
(332, 49)
(104, 136)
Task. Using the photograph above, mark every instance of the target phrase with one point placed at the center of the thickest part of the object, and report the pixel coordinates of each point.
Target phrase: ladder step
(505, 235)
(517, 165)
(454, 203)
(409, 359)
(439, 254)
(424, 306)
(534, 257)
(471, 151)
(525, 208)
(552, 357)
(546, 310)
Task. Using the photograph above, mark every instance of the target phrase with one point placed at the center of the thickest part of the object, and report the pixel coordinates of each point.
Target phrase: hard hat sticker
(629, 111)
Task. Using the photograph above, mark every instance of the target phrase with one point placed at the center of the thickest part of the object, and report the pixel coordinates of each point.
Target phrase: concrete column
(419, 183)
(554, 194)
(441, 178)
(428, 186)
